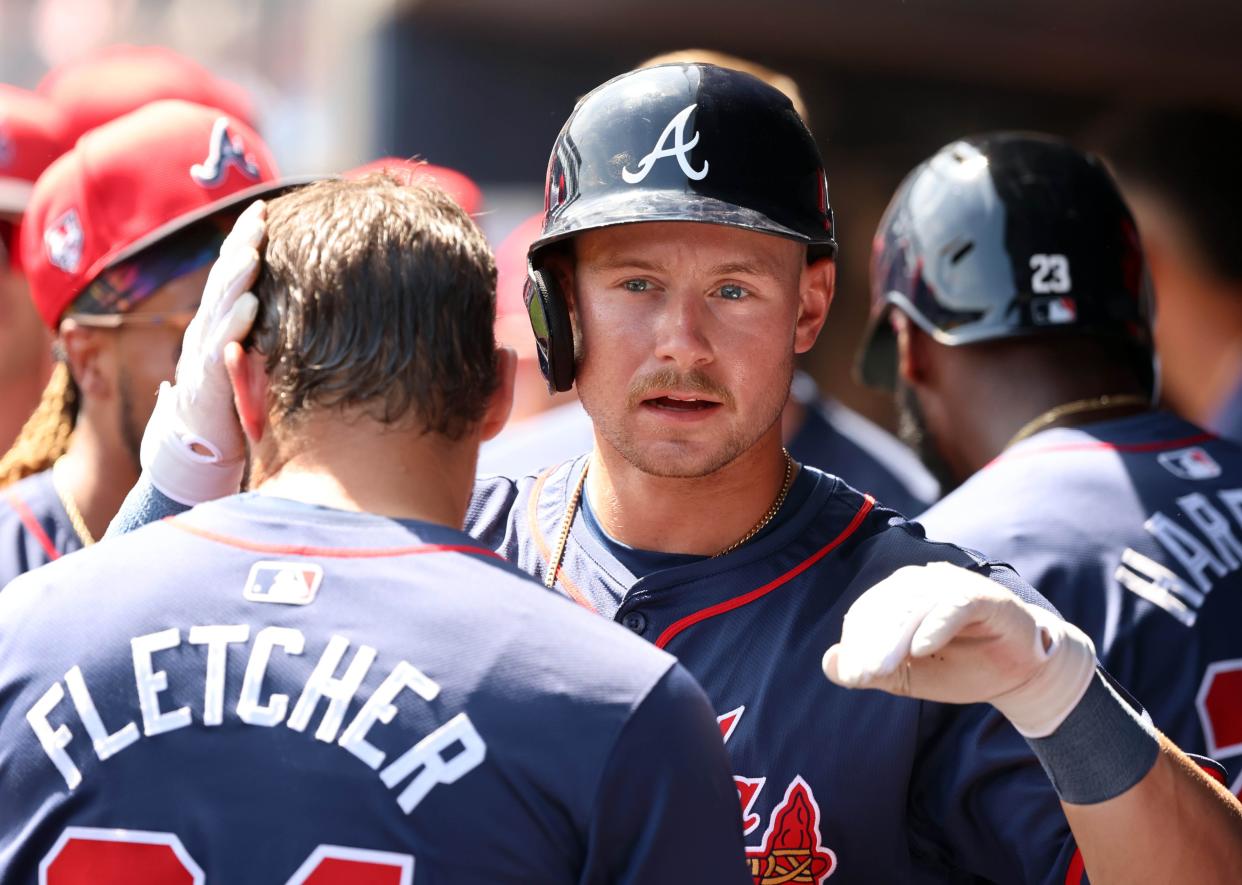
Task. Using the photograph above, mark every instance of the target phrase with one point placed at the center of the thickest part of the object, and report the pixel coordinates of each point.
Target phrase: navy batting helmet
(1005, 235)
(676, 142)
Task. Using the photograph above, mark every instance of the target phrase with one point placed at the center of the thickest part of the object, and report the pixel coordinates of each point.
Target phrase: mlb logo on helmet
(283, 583)
(1054, 311)
(131, 183)
(1192, 463)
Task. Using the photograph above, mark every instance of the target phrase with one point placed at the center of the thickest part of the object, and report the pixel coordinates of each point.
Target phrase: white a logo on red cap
(676, 129)
(226, 149)
(63, 241)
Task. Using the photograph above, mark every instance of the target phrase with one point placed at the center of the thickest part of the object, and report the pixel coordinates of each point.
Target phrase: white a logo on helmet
(63, 241)
(226, 149)
(676, 129)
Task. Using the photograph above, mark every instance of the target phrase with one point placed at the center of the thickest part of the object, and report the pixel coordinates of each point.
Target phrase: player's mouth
(676, 405)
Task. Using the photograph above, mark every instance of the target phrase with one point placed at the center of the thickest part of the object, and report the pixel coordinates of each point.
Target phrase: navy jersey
(831, 437)
(1133, 529)
(260, 691)
(34, 527)
(859, 786)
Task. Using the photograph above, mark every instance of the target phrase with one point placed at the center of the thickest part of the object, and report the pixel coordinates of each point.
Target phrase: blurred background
(483, 85)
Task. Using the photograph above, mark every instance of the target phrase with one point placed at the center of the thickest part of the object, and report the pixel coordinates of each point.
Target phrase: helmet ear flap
(554, 335)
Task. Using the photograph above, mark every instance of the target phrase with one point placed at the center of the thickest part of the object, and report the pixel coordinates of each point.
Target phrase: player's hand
(193, 449)
(943, 633)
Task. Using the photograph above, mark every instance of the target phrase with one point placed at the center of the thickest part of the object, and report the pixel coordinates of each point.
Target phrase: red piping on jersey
(1077, 869)
(532, 516)
(1128, 448)
(32, 524)
(746, 598)
(330, 552)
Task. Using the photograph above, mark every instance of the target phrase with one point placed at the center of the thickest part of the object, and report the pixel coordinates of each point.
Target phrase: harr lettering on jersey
(792, 849)
(441, 757)
(1202, 539)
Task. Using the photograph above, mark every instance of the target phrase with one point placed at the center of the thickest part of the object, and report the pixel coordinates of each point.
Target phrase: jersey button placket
(634, 621)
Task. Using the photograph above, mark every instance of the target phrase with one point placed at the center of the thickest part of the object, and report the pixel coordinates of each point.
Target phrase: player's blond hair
(45, 435)
(775, 79)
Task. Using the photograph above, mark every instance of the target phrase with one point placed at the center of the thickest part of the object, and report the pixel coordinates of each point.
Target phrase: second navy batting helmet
(677, 142)
(1005, 235)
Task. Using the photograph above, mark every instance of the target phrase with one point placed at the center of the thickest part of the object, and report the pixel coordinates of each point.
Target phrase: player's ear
(90, 361)
(816, 287)
(501, 402)
(248, 376)
(912, 344)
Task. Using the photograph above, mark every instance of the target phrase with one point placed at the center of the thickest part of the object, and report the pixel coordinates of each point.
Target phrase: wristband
(174, 468)
(1101, 750)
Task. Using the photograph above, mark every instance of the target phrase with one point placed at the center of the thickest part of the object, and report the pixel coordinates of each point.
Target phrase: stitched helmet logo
(226, 149)
(63, 241)
(676, 129)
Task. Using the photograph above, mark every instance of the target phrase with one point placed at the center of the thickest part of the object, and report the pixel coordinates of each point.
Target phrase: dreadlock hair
(45, 435)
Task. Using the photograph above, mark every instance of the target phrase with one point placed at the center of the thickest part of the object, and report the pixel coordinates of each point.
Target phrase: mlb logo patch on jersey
(1192, 463)
(283, 583)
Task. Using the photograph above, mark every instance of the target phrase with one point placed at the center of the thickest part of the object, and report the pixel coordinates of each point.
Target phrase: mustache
(694, 381)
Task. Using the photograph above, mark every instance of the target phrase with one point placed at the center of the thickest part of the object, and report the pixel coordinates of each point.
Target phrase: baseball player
(684, 261)
(818, 430)
(285, 687)
(32, 135)
(1011, 304)
(118, 237)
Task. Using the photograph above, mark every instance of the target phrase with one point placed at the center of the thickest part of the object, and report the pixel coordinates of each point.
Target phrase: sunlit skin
(687, 334)
(118, 372)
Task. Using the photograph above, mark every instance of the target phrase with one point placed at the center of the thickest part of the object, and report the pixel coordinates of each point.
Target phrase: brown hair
(775, 79)
(378, 297)
(45, 435)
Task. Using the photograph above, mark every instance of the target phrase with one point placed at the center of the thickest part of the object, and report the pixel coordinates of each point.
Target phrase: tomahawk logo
(226, 149)
(676, 130)
(63, 241)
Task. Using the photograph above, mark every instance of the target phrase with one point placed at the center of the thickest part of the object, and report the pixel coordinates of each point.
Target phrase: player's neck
(96, 474)
(369, 467)
(700, 515)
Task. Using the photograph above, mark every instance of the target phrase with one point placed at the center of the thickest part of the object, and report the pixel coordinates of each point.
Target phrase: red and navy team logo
(792, 850)
(226, 149)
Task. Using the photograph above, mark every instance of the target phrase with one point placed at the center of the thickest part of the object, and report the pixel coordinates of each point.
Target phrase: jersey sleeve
(666, 811)
(144, 504)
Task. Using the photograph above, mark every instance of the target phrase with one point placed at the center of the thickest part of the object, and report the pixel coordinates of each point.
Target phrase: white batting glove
(193, 449)
(942, 633)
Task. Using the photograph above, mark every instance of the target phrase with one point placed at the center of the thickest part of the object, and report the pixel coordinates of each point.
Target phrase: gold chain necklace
(71, 507)
(1077, 407)
(567, 521)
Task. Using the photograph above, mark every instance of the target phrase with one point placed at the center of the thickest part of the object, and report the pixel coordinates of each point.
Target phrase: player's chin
(680, 457)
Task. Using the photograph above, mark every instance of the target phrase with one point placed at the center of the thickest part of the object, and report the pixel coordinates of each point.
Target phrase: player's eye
(636, 285)
(733, 292)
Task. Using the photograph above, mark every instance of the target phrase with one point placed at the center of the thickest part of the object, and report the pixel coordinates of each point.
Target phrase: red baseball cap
(131, 183)
(33, 133)
(465, 193)
(114, 80)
